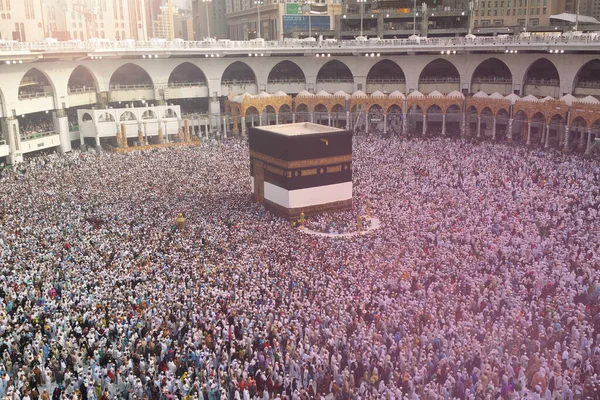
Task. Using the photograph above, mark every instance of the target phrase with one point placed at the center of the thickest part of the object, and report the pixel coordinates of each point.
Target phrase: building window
(535, 22)
(498, 22)
(102, 34)
(519, 11)
(495, 13)
(74, 34)
(485, 23)
(544, 10)
(7, 5)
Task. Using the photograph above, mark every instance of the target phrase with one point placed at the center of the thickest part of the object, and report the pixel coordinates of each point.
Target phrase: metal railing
(174, 85)
(335, 80)
(589, 84)
(223, 45)
(440, 79)
(37, 135)
(34, 95)
(385, 80)
(81, 90)
(131, 86)
(542, 82)
(286, 80)
(499, 80)
(237, 82)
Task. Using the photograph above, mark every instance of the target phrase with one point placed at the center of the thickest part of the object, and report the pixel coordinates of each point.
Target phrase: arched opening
(376, 119)
(186, 75)
(394, 120)
(286, 72)
(334, 76)
(35, 84)
(595, 134)
(587, 81)
(433, 125)
(302, 113)
(320, 115)
(358, 119)
(285, 114)
(36, 125)
(127, 116)
(577, 133)
(519, 127)
(502, 118)
(472, 119)
(439, 75)
(252, 116)
(557, 129)
(170, 113)
(106, 117)
(386, 76)
(81, 80)
(415, 121)
(486, 121)
(238, 74)
(86, 117)
(268, 115)
(130, 76)
(537, 127)
(453, 121)
(338, 116)
(148, 114)
(542, 79)
(492, 75)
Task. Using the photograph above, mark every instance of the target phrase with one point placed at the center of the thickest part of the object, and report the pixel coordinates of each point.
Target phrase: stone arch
(238, 71)
(130, 74)
(541, 72)
(386, 70)
(302, 112)
(86, 117)
(170, 113)
(587, 77)
(492, 74)
(321, 108)
(285, 108)
(79, 76)
(148, 114)
(252, 111)
(286, 71)
(187, 72)
(35, 81)
(334, 71)
(106, 117)
(127, 116)
(439, 72)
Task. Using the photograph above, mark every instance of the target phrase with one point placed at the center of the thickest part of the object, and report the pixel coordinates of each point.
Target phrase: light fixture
(20, 61)
(378, 54)
(516, 51)
(506, 51)
(249, 54)
(562, 51)
(372, 15)
(453, 51)
(417, 14)
(143, 56)
(46, 111)
(255, 54)
(387, 15)
(551, 51)
(156, 56)
(317, 55)
(463, 13)
(328, 55)
(432, 14)
(367, 55)
(261, 54)
(442, 52)
(372, 54)
(344, 16)
(206, 55)
(8, 62)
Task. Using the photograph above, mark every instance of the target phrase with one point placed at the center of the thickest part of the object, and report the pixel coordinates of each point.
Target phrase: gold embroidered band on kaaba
(315, 162)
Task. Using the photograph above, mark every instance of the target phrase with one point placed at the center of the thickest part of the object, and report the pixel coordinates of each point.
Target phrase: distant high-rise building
(173, 23)
(510, 13)
(215, 23)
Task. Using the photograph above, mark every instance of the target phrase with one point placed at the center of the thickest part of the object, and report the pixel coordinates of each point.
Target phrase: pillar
(404, 124)
(567, 137)
(443, 124)
(161, 138)
(215, 110)
(61, 125)
(140, 137)
(463, 127)
(328, 119)
(97, 142)
(224, 126)
(243, 123)
(123, 136)
(10, 126)
(166, 132)
(588, 149)
(543, 134)
(494, 128)
(478, 126)
(582, 138)
(206, 126)
(294, 117)
(384, 123)
(528, 133)
(347, 120)
(276, 118)
(424, 124)
(366, 123)
(509, 134)
(547, 138)
(311, 117)
(186, 130)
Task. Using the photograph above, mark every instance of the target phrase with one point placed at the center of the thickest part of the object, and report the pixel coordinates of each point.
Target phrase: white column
(567, 137)
(424, 124)
(97, 134)
(543, 133)
(243, 119)
(13, 137)
(588, 149)
(443, 124)
(404, 124)
(510, 130)
(385, 123)
(61, 125)
(366, 122)
(328, 119)
(224, 126)
(478, 126)
(528, 133)
(311, 117)
(494, 128)
(215, 110)
(582, 138)
(206, 127)
(347, 119)
(294, 117)
(547, 138)
(276, 118)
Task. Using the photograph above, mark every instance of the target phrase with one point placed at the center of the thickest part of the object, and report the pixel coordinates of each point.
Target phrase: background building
(216, 19)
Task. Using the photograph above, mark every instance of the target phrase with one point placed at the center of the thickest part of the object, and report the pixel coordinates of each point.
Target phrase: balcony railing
(34, 95)
(589, 84)
(439, 79)
(174, 85)
(237, 82)
(86, 89)
(385, 80)
(494, 79)
(334, 80)
(223, 45)
(131, 86)
(285, 80)
(36, 135)
(542, 82)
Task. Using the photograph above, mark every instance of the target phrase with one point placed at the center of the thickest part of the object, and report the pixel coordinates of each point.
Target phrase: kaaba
(301, 168)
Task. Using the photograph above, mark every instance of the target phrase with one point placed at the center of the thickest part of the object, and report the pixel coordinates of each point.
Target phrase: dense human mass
(481, 283)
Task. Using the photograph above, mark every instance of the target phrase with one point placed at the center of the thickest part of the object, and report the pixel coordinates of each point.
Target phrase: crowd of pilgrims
(482, 282)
